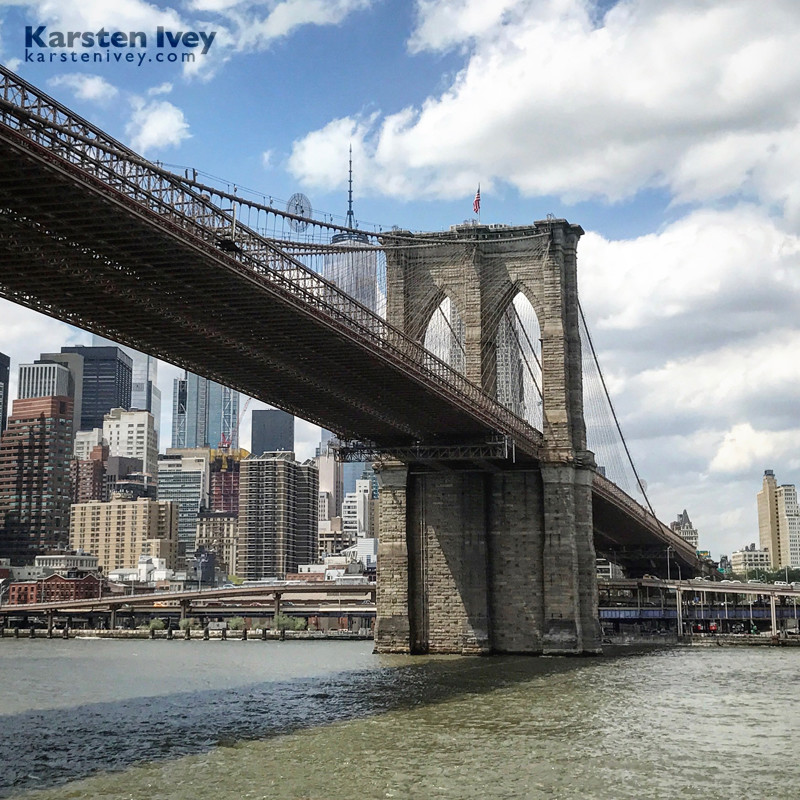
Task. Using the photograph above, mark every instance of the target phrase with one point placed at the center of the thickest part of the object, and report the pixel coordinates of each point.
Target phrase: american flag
(476, 203)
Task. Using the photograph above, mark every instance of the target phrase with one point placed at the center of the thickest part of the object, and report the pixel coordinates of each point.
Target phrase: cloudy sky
(669, 130)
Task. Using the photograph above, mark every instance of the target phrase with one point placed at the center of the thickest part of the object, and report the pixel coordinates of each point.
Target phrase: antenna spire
(350, 218)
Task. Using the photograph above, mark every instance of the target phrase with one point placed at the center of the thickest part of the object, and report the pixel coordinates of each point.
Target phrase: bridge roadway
(318, 592)
(702, 600)
(322, 592)
(697, 585)
(92, 234)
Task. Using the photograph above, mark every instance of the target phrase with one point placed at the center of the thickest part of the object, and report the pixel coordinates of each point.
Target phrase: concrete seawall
(739, 640)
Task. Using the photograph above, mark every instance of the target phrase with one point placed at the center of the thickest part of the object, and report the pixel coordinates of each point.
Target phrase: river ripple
(330, 720)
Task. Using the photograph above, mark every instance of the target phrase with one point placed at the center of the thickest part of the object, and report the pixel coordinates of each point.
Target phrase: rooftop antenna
(350, 221)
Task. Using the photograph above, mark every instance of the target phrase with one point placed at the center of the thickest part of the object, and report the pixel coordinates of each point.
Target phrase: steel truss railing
(501, 447)
(187, 212)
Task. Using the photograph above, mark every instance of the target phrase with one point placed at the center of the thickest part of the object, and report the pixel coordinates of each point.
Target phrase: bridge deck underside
(638, 543)
(71, 249)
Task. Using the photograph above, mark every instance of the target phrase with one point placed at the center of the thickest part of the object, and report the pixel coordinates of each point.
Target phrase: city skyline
(673, 151)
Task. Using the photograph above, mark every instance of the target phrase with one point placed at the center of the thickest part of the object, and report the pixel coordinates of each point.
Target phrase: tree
(285, 622)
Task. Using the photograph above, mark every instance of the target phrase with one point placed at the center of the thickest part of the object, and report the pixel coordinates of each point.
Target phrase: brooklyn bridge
(463, 372)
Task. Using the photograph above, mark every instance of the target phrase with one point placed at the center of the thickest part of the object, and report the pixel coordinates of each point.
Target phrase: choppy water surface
(330, 721)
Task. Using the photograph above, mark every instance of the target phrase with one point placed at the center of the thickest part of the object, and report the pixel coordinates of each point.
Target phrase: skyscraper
(74, 363)
(55, 374)
(768, 516)
(355, 273)
(5, 369)
(223, 416)
(277, 515)
(183, 478)
(145, 394)
(779, 522)
(684, 528)
(204, 413)
(121, 530)
(35, 483)
(331, 484)
(272, 430)
(132, 434)
(107, 381)
(223, 493)
(43, 379)
(88, 475)
(218, 531)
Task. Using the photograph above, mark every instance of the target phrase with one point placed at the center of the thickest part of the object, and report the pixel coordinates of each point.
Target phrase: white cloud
(698, 329)
(744, 448)
(250, 28)
(162, 88)
(125, 15)
(318, 157)
(721, 262)
(214, 5)
(441, 25)
(156, 125)
(556, 102)
(86, 87)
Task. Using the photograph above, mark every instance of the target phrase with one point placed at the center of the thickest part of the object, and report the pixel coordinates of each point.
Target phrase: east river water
(129, 720)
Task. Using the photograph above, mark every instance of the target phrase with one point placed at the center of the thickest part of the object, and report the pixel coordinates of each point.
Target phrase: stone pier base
(486, 562)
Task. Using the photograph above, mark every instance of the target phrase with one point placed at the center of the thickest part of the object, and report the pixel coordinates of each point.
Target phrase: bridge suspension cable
(603, 431)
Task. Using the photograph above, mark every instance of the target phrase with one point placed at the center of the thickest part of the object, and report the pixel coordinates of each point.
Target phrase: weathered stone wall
(474, 562)
(515, 536)
(447, 556)
(392, 633)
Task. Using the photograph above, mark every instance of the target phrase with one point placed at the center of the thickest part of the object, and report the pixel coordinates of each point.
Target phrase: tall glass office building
(204, 413)
(107, 375)
(145, 394)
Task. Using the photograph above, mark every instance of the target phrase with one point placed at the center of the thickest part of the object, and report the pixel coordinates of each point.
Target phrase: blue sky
(669, 131)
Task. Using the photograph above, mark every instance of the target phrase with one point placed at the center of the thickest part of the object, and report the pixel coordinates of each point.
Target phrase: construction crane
(225, 442)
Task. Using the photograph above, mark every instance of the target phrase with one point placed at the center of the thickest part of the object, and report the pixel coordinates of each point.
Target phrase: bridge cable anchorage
(585, 329)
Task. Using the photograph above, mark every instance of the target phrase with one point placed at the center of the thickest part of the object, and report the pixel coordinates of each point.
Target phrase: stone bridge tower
(492, 560)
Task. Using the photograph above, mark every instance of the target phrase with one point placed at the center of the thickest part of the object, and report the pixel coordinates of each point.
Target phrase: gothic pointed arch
(445, 334)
